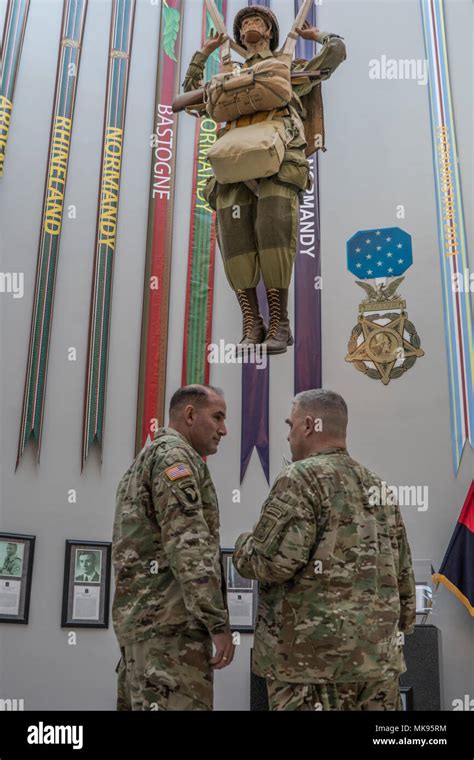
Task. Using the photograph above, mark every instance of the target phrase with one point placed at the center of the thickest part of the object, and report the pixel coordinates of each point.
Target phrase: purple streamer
(307, 350)
(256, 393)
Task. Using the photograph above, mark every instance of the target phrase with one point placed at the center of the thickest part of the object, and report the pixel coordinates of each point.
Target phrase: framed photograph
(86, 584)
(241, 596)
(16, 570)
(406, 694)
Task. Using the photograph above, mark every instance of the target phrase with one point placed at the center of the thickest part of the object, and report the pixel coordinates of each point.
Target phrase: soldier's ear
(189, 413)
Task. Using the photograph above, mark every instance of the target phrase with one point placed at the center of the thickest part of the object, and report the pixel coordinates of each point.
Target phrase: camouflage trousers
(257, 235)
(363, 696)
(166, 673)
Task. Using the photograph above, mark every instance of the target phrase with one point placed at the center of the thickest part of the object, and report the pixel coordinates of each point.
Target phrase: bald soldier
(335, 573)
(169, 606)
(262, 238)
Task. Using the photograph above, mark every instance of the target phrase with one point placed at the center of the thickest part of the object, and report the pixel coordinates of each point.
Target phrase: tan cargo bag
(250, 152)
(262, 87)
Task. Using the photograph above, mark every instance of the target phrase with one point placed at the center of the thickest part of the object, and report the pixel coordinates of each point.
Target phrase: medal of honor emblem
(384, 343)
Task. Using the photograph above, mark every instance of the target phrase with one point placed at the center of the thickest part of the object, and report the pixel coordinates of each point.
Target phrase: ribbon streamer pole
(72, 29)
(155, 318)
(10, 53)
(255, 423)
(120, 47)
(451, 231)
(202, 241)
(308, 348)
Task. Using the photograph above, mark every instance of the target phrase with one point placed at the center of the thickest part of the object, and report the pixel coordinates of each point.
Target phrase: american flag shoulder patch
(178, 471)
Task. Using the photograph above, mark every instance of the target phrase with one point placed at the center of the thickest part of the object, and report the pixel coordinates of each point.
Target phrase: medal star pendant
(384, 345)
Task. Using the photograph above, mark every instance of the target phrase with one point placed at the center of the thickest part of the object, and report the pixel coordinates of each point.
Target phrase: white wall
(379, 156)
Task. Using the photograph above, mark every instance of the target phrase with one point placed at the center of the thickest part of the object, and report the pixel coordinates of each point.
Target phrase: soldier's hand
(308, 32)
(213, 42)
(224, 650)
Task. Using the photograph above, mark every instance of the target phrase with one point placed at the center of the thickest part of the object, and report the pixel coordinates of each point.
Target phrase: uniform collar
(331, 450)
(171, 431)
(263, 54)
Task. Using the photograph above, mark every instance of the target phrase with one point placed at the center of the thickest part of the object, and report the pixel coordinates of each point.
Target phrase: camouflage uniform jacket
(295, 167)
(335, 575)
(166, 548)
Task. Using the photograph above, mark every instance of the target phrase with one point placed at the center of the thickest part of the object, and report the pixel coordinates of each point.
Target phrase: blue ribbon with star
(379, 253)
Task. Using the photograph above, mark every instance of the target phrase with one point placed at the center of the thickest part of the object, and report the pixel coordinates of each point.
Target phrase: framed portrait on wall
(86, 590)
(241, 596)
(16, 570)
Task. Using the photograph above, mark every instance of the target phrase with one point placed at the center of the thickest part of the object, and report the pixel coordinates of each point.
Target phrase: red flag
(457, 569)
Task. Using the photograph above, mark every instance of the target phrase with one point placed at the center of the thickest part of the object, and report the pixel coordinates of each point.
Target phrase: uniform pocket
(294, 171)
(180, 701)
(210, 192)
(121, 663)
(123, 690)
(270, 529)
(174, 678)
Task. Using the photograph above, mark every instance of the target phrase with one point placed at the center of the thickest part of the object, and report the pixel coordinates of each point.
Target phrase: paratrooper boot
(254, 327)
(279, 335)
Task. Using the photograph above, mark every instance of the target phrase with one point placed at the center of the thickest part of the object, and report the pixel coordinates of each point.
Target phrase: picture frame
(86, 589)
(16, 571)
(406, 695)
(242, 596)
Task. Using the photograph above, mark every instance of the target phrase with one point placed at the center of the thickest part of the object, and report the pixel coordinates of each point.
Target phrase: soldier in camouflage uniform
(263, 240)
(169, 605)
(336, 585)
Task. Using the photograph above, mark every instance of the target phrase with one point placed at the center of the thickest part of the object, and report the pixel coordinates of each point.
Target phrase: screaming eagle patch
(190, 492)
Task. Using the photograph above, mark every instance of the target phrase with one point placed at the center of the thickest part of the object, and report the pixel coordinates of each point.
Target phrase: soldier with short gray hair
(335, 573)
